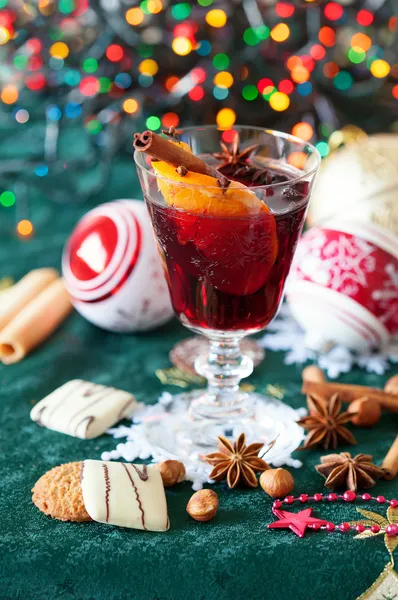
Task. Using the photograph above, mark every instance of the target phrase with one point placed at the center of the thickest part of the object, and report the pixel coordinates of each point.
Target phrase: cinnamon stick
(162, 149)
(390, 463)
(349, 393)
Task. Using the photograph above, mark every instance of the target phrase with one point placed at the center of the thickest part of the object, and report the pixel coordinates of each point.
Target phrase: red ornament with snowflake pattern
(343, 286)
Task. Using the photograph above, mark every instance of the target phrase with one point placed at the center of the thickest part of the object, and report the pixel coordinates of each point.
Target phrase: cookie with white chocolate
(83, 409)
(114, 493)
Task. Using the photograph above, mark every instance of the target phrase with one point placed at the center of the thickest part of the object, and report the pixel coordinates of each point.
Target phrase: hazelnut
(367, 410)
(203, 505)
(391, 386)
(314, 374)
(172, 472)
(277, 482)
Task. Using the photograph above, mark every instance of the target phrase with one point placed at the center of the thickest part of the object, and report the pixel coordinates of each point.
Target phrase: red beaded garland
(392, 529)
(348, 496)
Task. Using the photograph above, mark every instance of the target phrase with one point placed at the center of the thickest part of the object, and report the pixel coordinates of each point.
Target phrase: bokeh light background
(77, 78)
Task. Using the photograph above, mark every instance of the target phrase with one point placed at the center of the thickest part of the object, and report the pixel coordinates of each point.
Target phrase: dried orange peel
(202, 194)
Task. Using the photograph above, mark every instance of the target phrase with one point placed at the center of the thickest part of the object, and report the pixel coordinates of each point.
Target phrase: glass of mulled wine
(227, 251)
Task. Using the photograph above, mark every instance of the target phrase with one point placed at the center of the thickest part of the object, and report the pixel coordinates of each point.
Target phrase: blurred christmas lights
(158, 59)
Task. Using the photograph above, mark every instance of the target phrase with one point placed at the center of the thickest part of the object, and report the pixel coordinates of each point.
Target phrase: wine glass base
(176, 434)
(203, 407)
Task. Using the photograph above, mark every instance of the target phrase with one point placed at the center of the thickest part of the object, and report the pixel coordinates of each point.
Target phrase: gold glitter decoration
(386, 585)
(276, 391)
(174, 376)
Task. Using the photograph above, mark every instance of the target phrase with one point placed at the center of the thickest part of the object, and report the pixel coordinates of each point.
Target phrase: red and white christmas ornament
(343, 285)
(112, 269)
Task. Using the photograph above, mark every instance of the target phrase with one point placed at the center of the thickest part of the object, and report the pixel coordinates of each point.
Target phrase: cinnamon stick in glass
(390, 463)
(349, 393)
(163, 149)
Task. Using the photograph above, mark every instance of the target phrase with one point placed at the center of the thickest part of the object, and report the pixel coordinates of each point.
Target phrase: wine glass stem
(223, 368)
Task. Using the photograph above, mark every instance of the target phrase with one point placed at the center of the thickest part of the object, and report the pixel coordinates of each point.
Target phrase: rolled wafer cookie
(34, 323)
(17, 297)
(114, 493)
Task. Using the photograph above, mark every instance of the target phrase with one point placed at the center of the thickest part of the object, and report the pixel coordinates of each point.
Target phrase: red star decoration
(297, 522)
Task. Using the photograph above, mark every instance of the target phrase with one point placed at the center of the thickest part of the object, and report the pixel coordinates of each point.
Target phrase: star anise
(232, 155)
(236, 462)
(325, 423)
(342, 471)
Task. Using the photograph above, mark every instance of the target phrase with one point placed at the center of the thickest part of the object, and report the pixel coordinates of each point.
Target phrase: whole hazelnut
(367, 410)
(314, 374)
(276, 482)
(391, 386)
(172, 472)
(203, 505)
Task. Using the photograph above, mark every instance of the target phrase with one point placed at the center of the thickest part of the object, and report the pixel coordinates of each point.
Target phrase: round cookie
(58, 493)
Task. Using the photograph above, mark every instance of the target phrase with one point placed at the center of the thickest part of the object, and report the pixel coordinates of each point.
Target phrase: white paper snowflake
(284, 333)
(162, 431)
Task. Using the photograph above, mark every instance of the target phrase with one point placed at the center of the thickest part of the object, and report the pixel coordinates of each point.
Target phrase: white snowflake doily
(284, 333)
(157, 434)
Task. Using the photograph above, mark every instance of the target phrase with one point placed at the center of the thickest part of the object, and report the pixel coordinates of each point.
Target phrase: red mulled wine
(228, 273)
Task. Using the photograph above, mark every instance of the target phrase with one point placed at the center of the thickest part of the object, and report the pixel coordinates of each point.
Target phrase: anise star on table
(343, 471)
(236, 462)
(233, 156)
(325, 423)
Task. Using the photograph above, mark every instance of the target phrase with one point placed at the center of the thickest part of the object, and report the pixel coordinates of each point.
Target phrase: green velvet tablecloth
(234, 556)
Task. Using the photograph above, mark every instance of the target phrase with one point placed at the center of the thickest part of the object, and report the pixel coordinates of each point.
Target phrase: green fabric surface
(233, 556)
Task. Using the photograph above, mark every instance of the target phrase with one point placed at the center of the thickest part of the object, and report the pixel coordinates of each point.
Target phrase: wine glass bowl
(227, 251)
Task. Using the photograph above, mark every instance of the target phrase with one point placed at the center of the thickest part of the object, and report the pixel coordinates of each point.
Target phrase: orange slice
(201, 194)
(241, 251)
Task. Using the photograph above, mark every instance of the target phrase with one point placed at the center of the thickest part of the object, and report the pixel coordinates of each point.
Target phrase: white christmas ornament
(112, 270)
(343, 285)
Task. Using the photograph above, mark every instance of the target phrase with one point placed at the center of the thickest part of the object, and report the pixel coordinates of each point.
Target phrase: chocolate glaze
(60, 402)
(39, 414)
(102, 394)
(89, 420)
(144, 475)
(121, 413)
(107, 489)
(135, 488)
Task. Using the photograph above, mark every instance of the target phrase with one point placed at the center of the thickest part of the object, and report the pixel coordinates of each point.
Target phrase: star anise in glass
(325, 423)
(232, 155)
(342, 471)
(236, 462)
